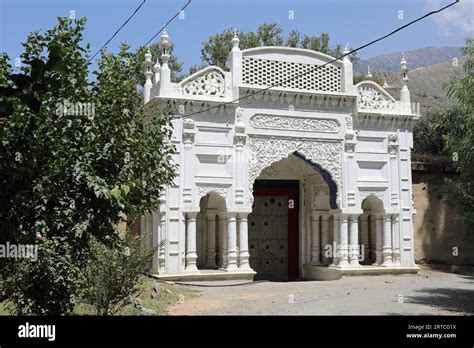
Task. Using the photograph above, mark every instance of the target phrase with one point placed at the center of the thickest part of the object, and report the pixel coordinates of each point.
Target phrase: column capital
(243, 216)
(231, 215)
(325, 216)
(395, 217)
(336, 216)
(191, 214)
(364, 217)
(222, 215)
(344, 216)
(354, 217)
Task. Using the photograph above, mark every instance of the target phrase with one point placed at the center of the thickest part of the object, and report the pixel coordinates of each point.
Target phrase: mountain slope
(423, 57)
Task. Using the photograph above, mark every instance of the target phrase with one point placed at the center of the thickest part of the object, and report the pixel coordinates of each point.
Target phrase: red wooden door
(292, 226)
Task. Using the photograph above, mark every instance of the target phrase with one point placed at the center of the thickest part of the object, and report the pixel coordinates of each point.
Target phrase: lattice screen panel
(263, 72)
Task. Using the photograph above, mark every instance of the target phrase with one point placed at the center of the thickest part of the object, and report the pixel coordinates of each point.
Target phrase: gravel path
(431, 292)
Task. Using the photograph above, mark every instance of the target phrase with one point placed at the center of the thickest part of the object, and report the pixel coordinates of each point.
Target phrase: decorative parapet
(372, 97)
(209, 81)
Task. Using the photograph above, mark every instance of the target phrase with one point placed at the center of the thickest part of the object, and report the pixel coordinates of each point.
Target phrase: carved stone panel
(373, 97)
(210, 82)
(204, 189)
(295, 123)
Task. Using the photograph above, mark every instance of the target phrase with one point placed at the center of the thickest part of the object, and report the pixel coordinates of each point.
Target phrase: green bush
(113, 274)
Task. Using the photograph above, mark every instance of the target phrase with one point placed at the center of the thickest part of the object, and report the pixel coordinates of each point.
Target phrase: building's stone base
(333, 273)
(208, 274)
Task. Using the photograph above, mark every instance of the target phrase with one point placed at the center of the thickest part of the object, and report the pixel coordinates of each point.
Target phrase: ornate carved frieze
(204, 189)
(363, 194)
(294, 123)
(373, 97)
(209, 82)
(265, 150)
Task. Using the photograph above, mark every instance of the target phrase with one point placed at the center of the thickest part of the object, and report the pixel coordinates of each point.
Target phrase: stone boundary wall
(436, 233)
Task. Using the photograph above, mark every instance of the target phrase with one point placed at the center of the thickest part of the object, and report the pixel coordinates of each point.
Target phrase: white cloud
(455, 20)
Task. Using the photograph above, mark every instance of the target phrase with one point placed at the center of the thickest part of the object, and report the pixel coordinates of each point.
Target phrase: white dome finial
(235, 39)
(148, 55)
(369, 75)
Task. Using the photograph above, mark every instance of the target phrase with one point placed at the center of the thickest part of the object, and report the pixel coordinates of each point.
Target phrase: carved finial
(404, 92)
(369, 75)
(165, 46)
(235, 39)
(345, 53)
(385, 84)
(148, 74)
(148, 55)
(403, 69)
(164, 34)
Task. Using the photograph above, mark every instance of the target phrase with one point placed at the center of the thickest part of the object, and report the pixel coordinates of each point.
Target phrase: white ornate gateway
(310, 178)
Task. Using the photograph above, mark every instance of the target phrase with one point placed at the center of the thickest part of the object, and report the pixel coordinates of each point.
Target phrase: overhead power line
(117, 31)
(323, 65)
(166, 24)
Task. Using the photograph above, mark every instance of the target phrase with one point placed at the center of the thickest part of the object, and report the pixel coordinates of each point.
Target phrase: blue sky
(353, 21)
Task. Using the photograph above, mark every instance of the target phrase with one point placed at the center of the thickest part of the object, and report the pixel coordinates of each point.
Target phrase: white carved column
(240, 167)
(354, 240)
(211, 240)
(387, 240)
(243, 242)
(336, 243)
(223, 239)
(162, 251)
(231, 263)
(364, 234)
(378, 238)
(396, 239)
(344, 240)
(373, 236)
(189, 132)
(315, 245)
(324, 236)
(191, 255)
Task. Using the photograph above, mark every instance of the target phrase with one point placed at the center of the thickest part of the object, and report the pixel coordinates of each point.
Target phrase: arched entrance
(211, 224)
(289, 223)
(371, 230)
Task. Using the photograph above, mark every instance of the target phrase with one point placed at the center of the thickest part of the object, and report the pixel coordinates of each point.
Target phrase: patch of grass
(170, 294)
(3, 309)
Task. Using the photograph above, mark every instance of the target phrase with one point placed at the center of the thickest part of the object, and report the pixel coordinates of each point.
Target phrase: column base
(191, 269)
(229, 268)
(387, 264)
(354, 263)
(346, 266)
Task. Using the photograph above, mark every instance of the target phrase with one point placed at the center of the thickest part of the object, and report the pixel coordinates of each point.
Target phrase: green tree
(75, 157)
(216, 49)
(460, 140)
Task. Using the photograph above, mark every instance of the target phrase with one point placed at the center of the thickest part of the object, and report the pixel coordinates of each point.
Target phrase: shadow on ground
(455, 300)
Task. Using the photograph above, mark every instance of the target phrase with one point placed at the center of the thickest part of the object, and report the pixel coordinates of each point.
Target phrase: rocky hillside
(426, 82)
(423, 57)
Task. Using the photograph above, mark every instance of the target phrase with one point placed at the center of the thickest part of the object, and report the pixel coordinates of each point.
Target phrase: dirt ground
(431, 292)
